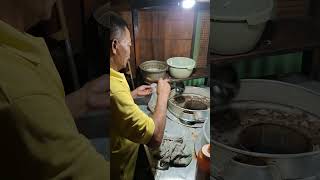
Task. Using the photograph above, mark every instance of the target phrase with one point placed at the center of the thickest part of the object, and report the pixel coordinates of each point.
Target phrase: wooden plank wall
(292, 8)
(165, 33)
(161, 34)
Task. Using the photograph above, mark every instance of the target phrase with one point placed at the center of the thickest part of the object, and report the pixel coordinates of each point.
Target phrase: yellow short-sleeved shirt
(38, 134)
(130, 127)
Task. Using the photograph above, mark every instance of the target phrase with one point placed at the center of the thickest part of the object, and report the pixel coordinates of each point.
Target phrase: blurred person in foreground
(40, 140)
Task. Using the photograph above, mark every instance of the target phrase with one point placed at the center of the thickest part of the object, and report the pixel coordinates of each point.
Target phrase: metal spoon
(178, 85)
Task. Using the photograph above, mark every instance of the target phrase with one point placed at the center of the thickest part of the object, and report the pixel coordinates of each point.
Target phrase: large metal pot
(153, 70)
(290, 166)
(188, 115)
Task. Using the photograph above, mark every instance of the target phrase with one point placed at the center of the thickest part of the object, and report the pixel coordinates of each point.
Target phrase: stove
(249, 125)
(270, 131)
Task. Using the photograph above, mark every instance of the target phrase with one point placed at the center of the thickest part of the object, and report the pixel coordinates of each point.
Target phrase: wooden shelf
(287, 36)
(197, 73)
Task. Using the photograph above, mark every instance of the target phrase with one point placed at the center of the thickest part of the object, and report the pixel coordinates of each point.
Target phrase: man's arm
(94, 95)
(77, 103)
(132, 123)
(160, 113)
(159, 118)
(143, 90)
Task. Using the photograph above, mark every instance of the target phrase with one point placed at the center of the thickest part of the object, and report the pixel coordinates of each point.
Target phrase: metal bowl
(198, 97)
(153, 70)
(273, 95)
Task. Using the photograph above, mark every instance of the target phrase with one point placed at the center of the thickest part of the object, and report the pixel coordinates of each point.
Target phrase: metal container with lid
(153, 70)
(292, 165)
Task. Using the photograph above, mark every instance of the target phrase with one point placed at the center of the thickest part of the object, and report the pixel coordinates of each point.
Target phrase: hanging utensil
(178, 85)
(225, 85)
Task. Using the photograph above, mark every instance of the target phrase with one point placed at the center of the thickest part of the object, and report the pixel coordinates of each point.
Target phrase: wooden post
(315, 70)
(130, 74)
(63, 34)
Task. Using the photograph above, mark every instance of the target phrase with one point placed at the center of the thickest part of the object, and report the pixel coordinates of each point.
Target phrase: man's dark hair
(117, 26)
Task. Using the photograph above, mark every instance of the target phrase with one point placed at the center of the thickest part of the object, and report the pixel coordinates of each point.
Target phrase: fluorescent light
(187, 4)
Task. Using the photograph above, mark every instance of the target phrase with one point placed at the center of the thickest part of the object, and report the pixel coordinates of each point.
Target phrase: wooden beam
(288, 36)
(315, 12)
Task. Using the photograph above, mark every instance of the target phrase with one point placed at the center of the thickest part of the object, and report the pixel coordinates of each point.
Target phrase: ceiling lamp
(187, 4)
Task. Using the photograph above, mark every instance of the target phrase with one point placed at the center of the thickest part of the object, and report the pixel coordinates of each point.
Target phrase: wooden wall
(292, 8)
(285, 9)
(161, 34)
(166, 33)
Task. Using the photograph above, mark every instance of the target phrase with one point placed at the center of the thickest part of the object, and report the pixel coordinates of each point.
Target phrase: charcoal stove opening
(191, 102)
(195, 105)
(274, 139)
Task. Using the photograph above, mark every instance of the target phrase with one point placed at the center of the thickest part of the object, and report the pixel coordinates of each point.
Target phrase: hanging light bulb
(187, 4)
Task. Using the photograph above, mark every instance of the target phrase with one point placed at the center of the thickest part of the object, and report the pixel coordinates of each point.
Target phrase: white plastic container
(237, 25)
(181, 67)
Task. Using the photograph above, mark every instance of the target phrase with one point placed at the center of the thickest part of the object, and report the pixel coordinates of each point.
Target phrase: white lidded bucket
(237, 25)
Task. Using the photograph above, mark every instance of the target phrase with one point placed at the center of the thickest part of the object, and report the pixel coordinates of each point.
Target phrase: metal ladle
(225, 85)
(178, 85)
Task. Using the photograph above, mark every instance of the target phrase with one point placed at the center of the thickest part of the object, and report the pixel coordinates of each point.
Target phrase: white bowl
(180, 67)
(236, 26)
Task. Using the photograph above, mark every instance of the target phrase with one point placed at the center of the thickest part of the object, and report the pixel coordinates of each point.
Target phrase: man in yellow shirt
(38, 135)
(130, 126)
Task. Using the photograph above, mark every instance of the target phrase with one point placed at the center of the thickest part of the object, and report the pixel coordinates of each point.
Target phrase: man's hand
(94, 95)
(163, 88)
(98, 93)
(143, 90)
(159, 115)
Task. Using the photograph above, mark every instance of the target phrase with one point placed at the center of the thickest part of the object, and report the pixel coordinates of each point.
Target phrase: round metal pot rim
(153, 61)
(266, 155)
(177, 110)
